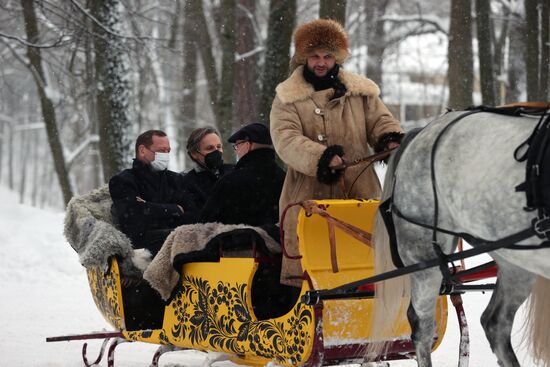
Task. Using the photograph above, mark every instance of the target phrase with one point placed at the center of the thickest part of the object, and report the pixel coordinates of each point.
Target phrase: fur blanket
(90, 231)
(185, 239)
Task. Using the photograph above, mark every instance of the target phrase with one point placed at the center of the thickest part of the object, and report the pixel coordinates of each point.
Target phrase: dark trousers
(153, 240)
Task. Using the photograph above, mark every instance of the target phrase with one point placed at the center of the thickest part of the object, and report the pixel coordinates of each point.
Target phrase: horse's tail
(538, 321)
(392, 296)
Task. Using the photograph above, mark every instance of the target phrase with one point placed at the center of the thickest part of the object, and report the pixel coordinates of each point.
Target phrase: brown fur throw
(185, 239)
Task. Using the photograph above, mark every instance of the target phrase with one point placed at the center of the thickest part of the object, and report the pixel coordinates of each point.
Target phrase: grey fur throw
(188, 238)
(90, 231)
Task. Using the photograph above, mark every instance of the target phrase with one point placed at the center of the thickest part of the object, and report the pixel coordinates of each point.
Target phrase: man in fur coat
(149, 200)
(321, 117)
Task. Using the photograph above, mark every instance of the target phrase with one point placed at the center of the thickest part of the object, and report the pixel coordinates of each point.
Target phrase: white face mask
(161, 161)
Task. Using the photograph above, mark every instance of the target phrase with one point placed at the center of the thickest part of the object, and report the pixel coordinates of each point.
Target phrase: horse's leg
(513, 286)
(425, 287)
(415, 245)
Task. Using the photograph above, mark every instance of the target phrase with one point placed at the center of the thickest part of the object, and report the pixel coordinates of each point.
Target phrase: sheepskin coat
(304, 122)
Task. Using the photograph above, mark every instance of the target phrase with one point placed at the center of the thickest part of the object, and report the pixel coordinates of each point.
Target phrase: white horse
(475, 175)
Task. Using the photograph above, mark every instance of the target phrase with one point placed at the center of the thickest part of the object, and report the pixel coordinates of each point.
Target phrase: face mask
(213, 160)
(161, 161)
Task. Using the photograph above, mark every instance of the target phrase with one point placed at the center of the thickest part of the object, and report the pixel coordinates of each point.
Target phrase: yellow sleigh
(213, 308)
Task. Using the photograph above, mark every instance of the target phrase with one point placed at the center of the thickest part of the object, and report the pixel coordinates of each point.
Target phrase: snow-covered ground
(45, 293)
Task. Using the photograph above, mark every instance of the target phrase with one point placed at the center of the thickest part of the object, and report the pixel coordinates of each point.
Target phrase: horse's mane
(382, 319)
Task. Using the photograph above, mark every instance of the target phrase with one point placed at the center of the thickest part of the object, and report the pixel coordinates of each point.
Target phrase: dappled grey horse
(475, 177)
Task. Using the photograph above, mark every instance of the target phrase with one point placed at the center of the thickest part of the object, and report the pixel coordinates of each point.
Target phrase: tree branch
(106, 29)
(239, 57)
(255, 25)
(414, 19)
(60, 40)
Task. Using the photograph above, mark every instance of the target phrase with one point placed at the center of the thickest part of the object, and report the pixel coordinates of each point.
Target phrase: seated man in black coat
(204, 147)
(149, 200)
(250, 194)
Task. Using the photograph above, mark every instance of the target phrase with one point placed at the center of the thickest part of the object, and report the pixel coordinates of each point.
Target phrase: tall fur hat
(325, 34)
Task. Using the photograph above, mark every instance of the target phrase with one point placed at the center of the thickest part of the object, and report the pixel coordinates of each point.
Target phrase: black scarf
(330, 80)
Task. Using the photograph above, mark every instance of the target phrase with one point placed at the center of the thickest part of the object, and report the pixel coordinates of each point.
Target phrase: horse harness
(536, 150)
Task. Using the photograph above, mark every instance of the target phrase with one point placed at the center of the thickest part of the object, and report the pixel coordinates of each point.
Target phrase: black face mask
(213, 160)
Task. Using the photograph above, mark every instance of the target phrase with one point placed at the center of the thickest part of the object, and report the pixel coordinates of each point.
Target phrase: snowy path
(45, 293)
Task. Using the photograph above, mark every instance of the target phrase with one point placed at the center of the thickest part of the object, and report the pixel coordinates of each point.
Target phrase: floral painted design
(105, 291)
(219, 316)
(152, 336)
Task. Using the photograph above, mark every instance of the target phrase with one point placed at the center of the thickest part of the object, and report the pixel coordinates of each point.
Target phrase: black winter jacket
(162, 192)
(248, 195)
(199, 183)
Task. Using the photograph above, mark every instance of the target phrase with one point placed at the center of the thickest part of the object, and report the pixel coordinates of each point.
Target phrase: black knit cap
(255, 133)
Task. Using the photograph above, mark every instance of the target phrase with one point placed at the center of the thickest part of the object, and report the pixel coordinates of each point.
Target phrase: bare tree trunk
(91, 108)
(282, 17)
(516, 61)
(220, 92)
(23, 163)
(45, 174)
(376, 40)
(111, 88)
(10, 158)
(483, 27)
(499, 47)
(162, 80)
(246, 73)
(333, 9)
(499, 43)
(3, 141)
(460, 58)
(174, 27)
(190, 68)
(48, 111)
(545, 50)
(532, 49)
(207, 57)
(35, 164)
(227, 81)
(48, 195)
